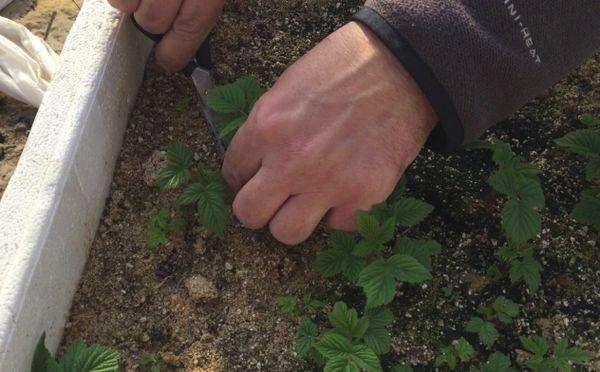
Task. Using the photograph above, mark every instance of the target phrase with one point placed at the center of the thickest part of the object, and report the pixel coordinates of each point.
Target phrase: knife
(198, 68)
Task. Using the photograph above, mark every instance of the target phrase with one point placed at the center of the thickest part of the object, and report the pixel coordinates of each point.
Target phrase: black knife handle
(201, 59)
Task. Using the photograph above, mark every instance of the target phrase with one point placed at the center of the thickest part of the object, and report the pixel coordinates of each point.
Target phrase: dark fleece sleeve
(479, 61)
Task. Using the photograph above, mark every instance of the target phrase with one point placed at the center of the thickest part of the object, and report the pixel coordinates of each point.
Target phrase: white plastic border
(52, 206)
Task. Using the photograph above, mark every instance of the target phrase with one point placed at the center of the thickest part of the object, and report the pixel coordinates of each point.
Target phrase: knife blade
(199, 70)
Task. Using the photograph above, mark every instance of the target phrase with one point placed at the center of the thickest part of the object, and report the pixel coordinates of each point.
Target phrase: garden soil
(16, 118)
(207, 303)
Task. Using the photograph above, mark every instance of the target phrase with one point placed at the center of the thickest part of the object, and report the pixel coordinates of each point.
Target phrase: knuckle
(190, 28)
(245, 215)
(124, 6)
(153, 22)
(266, 119)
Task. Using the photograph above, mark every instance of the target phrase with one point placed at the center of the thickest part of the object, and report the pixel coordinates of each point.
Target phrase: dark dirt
(15, 117)
(136, 299)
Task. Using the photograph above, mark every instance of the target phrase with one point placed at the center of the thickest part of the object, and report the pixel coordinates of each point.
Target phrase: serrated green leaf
(505, 309)
(347, 322)
(497, 362)
(379, 317)
(464, 350)
(228, 130)
(399, 191)
(213, 211)
(172, 177)
(587, 210)
(53, 366)
(592, 169)
(95, 358)
(41, 355)
(528, 269)
(447, 356)
(306, 337)
(566, 355)
(537, 344)
(287, 304)
(583, 142)
(378, 339)
(227, 99)
(365, 358)
(340, 259)
(530, 192)
(366, 248)
(340, 364)
(504, 181)
(503, 154)
(371, 229)
(379, 278)
(191, 194)
(421, 250)
(520, 222)
(589, 120)
(333, 345)
(252, 90)
(179, 155)
(486, 331)
(411, 211)
(156, 237)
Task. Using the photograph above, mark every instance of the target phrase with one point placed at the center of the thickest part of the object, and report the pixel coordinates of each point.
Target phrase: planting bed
(207, 303)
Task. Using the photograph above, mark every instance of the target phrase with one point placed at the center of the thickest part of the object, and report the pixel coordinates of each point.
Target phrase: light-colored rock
(200, 289)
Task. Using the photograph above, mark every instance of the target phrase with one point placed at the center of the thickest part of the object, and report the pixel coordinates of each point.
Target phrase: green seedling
(451, 294)
(497, 362)
(521, 219)
(367, 262)
(460, 350)
(155, 364)
(232, 104)
(204, 190)
(586, 142)
(79, 357)
(298, 306)
(552, 356)
(523, 265)
(161, 225)
(351, 343)
(519, 182)
(503, 310)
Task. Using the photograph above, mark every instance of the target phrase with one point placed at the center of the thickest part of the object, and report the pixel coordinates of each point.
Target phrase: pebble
(21, 127)
(200, 289)
(199, 246)
(228, 266)
(153, 165)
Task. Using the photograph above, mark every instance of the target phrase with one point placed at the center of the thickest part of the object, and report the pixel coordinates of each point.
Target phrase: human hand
(333, 136)
(185, 23)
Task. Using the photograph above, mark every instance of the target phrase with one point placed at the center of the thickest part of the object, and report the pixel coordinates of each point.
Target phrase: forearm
(478, 62)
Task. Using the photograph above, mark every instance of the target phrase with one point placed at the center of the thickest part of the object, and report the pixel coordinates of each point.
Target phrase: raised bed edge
(51, 208)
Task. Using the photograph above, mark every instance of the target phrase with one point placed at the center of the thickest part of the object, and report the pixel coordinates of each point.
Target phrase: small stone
(199, 246)
(522, 356)
(171, 359)
(228, 266)
(152, 167)
(200, 289)
(21, 127)
(145, 337)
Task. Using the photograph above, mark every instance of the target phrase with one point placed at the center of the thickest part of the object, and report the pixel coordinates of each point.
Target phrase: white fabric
(27, 63)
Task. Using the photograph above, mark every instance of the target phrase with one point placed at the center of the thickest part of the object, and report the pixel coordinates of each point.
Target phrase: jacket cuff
(448, 135)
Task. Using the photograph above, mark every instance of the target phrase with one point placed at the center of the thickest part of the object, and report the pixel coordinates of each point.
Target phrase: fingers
(126, 6)
(189, 29)
(342, 218)
(297, 219)
(242, 160)
(259, 200)
(156, 16)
